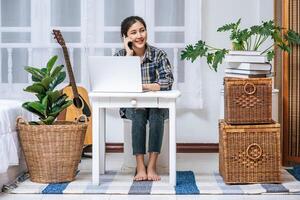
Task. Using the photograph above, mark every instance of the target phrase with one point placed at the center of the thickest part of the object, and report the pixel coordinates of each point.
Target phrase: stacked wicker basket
(249, 140)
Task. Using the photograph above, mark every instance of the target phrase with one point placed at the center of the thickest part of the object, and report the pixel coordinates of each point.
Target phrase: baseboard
(181, 147)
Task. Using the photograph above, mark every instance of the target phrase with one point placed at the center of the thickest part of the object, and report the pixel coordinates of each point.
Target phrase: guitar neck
(70, 72)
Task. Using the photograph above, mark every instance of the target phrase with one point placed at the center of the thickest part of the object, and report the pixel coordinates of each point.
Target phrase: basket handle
(20, 119)
(249, 88)
(82, 119)
(254, 145)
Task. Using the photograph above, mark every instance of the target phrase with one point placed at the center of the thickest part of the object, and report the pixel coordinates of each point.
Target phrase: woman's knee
(137, 115)
(158, 114)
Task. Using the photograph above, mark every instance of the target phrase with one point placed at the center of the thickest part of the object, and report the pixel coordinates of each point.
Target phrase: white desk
(102, 101)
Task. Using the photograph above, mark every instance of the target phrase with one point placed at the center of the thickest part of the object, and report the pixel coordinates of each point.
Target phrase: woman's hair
(128, 22)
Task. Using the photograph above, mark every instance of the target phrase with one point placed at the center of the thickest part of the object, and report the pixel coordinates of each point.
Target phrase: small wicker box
(249, 153)
(248, 101)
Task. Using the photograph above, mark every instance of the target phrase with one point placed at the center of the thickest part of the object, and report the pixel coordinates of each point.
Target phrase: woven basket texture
(248, 101)
(52, 152)
(249, 153)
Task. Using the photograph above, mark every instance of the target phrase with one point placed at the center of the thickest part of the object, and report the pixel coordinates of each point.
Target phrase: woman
(156, 75)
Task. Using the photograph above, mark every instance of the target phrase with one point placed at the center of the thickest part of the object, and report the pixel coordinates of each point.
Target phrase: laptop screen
(115, 73)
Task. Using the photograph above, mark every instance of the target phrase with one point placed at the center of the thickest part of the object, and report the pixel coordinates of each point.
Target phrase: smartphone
(130, 45)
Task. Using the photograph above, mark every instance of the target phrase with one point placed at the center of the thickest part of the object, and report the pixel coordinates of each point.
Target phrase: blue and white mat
(114, 182)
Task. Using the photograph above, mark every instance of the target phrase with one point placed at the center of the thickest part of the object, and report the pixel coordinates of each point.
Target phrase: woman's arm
(165, 75)
(151, 87)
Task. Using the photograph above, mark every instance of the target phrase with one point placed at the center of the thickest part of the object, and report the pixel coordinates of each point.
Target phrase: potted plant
(52, 149)
(248, 39)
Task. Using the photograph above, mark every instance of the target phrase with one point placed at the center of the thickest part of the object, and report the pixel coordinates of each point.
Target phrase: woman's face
(138, 34)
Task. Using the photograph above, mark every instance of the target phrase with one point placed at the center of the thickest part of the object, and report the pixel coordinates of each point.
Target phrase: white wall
(201, 126)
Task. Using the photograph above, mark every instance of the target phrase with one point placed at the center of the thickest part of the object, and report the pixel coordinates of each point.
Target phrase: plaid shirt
(155, 67)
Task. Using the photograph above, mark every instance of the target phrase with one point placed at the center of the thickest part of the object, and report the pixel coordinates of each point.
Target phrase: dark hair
(128, 22)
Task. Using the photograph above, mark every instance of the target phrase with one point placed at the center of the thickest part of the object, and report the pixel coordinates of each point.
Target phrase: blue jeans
(139, 118)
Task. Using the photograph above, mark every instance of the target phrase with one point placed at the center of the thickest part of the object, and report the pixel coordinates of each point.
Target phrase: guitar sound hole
(77, 102)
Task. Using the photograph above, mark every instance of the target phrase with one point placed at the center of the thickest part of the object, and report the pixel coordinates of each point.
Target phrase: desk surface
(159, 94)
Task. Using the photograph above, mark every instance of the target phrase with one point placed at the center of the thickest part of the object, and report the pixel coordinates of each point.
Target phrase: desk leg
(172, 151)
(102, 139)
(95, 146)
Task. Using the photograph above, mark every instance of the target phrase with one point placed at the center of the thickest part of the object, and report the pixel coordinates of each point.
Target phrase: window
(91, 28)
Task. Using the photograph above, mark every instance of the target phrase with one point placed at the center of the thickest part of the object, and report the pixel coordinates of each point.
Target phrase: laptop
(115, 73)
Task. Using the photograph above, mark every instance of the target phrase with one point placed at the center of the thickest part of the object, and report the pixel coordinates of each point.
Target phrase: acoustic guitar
(78, 94)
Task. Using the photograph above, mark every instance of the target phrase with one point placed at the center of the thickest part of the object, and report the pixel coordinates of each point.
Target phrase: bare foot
(141, 174)
(152, 175)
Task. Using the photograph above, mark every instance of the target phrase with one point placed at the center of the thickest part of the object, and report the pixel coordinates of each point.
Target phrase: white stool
(129, 163)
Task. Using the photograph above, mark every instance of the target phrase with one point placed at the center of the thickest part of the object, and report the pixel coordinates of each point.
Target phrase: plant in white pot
(52, 149)
(248, 39)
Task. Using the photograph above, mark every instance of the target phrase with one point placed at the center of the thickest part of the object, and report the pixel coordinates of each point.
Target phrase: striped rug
(114, 182)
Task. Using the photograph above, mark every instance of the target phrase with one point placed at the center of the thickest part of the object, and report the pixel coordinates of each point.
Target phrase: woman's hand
(151, 87)
(129, 52)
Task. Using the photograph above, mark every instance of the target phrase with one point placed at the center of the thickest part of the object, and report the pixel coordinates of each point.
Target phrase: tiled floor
(201, 163)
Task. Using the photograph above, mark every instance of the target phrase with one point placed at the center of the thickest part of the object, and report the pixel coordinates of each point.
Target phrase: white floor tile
(21, 196)
(238, 197)
(143, 197)
(75, 197)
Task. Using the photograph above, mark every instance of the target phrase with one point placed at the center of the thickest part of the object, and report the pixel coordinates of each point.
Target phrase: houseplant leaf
(30, 109)
(38, 107)
(251, 39)
(46, 82)
(58, 80)
(50, 64)
(36, 88)
(54, 96)
(50, 102)
(49, 120)
(56, 71)
(36, 73)
(57, 109)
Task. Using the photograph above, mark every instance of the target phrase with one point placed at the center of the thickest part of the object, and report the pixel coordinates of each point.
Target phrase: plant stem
(257, 42)
(212, 48)
(267, 49)
(250, 43)
(262, 41)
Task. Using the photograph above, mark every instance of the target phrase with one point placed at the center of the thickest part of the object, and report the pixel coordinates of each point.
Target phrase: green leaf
(46, 82)
(36, 88)
(60, 101)
(36, 108)
(44, 71)
(210, 57)
(292, 37)
(40, 96)
(56, 71)
(193, 52)
(49, 120)
(50, 64)
(56, 110)
(284, 47)
(30, 109)
(231, 26)
(218, 58)
(53, 96)
(59, 79)
(46, 103)
(270, 55)
(36, 73)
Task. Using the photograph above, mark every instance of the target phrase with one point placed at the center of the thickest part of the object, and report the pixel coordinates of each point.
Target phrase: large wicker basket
(249, 153)
(52, 152)
(248, 101)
